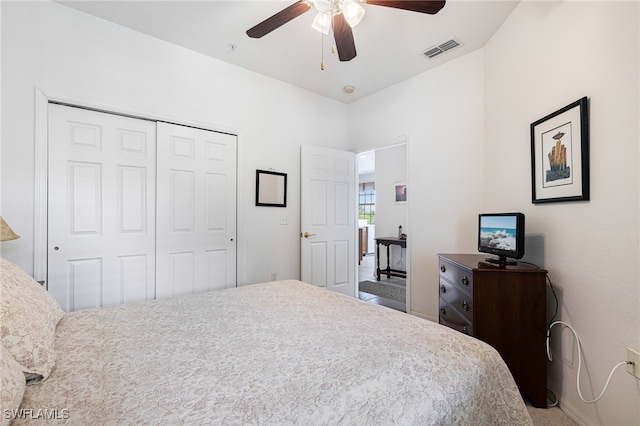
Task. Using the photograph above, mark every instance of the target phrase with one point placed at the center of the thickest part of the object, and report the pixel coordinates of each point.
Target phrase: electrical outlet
(634, 357)
(284, 220)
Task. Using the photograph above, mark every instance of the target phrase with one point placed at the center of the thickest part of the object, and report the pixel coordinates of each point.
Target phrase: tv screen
(501, 234)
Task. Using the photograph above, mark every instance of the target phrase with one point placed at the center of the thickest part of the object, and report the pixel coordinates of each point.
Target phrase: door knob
(307, 235)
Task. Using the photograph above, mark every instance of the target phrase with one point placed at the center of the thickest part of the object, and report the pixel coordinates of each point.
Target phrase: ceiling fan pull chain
(333, 37)
(322, 52)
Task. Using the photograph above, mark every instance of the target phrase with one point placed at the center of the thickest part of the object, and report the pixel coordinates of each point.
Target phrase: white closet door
(101, 208)
(196, 202)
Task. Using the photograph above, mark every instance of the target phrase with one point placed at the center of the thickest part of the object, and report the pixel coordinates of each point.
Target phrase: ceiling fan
(341, 15)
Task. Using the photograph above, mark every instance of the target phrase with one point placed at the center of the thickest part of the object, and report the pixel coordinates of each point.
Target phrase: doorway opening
(382, 212)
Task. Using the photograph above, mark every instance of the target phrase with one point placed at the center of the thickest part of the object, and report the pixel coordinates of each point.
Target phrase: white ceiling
(389, 42)
(366, 162)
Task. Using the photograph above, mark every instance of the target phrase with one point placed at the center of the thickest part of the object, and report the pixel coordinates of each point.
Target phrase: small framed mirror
(271, 189)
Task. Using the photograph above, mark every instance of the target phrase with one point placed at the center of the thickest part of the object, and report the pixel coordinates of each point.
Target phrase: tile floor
(367, 272)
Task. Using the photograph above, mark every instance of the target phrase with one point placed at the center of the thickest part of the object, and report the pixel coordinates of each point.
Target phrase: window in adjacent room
(367, 202)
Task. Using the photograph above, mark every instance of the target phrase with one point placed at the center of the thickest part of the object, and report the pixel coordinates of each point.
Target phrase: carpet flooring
(552, 416)
(384, 290)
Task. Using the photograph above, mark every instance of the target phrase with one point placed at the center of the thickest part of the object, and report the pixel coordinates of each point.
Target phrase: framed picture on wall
(271, 189)
(560, 155)
(400, 191)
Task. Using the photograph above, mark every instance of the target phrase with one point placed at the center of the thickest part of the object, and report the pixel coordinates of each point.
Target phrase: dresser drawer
(508, 312)
(453, 319)
(457, 275)
(461, 301)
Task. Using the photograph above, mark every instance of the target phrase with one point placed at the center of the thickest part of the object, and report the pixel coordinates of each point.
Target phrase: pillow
(12, 385)
(28, 318)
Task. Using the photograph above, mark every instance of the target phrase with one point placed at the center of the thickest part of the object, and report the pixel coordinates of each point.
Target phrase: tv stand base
(501, 262)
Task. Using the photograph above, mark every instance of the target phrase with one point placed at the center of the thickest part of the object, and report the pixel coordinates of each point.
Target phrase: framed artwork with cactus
(560, 155)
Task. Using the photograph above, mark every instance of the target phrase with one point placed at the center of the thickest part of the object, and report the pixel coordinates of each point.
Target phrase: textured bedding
(275, 353)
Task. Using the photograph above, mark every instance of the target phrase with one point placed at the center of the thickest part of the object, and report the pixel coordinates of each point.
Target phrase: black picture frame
(560, 155)
(271, 188)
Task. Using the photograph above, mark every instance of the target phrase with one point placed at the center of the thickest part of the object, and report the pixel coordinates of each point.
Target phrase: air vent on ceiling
(438, 49)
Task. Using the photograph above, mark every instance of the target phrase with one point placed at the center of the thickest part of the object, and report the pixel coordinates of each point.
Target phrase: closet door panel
(181, 193)
(84, 188)
(137, 209)
(133, 278)
(217, 273)
(132, 199)
(101, 208)
(196, 247)
(216, 211)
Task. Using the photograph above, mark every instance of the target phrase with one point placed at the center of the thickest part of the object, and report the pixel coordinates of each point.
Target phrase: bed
(276, 353)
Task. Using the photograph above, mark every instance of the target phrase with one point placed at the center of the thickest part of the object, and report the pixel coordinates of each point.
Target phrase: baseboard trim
(572, 411)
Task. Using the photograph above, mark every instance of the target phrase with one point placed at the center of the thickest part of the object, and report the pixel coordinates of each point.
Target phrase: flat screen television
(501, 234)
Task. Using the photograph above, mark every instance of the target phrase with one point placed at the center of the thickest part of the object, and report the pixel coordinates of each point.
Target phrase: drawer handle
(443, 268)
(464, 330)
(443, 311)
(443, 289)
(465, 280)
(465, 306)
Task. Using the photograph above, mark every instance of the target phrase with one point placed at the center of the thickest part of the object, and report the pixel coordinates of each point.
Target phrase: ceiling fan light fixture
(353, 12)
(338, 17)
(322, 6)
(322, 22)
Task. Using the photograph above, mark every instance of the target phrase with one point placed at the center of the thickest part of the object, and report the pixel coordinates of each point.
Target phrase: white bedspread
(275, 353)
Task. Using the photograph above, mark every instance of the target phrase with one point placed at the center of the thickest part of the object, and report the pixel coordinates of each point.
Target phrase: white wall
(440, 114)
(66, 52)
(545, 56)
(469, 151)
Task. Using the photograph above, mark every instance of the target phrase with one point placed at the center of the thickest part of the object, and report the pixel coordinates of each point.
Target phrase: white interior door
(196, 223)
(328, 222)
(101, 208)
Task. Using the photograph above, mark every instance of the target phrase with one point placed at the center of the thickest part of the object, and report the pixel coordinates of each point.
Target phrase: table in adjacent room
(389, 241)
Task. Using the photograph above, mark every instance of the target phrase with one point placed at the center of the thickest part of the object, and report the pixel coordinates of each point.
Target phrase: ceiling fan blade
(279, 19)
(344, 38)
(423, 6)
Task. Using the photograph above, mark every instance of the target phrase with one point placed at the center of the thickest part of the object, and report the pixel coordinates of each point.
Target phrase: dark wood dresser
(504, 307)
